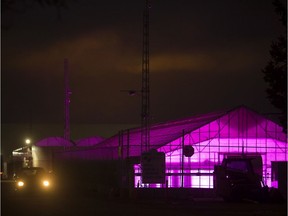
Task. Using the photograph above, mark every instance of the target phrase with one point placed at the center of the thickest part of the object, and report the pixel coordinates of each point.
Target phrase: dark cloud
(204, 56)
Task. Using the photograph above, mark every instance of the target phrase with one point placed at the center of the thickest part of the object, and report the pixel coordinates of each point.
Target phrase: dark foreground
(90, 203)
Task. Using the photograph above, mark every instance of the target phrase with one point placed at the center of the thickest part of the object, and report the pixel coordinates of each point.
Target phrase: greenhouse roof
(54, 142)
(89, 141)
(239, 122)
(60, 141)
(163, 133)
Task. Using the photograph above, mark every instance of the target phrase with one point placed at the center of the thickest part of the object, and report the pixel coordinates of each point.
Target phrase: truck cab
(239, 177)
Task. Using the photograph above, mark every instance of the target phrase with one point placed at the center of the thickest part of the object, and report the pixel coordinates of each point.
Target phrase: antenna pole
(67, 93)
(145, 132)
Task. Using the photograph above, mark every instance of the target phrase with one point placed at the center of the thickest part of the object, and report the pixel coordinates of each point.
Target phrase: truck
(240, 177)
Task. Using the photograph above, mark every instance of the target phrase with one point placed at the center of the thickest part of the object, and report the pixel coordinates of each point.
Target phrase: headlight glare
(46, 183)
(20, 183)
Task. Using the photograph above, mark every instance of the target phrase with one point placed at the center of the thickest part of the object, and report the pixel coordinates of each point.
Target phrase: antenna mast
(67, 93)
(145, 112)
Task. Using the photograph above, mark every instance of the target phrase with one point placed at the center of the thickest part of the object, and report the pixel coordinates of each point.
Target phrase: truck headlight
(20, 183)
(46, 183)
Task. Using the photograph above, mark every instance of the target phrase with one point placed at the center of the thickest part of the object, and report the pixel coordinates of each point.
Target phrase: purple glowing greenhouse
(213, 136)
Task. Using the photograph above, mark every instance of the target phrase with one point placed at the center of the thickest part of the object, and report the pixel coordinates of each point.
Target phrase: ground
(90, 203)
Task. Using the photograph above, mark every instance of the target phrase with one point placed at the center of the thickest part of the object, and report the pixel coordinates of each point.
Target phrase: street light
(27, 141)
(28, 159)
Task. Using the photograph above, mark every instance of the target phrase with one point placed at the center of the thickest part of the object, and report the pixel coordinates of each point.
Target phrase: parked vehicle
(33, 179)
(240, 177)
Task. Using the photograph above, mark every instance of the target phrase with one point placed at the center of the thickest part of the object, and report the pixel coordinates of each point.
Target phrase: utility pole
(67, 93)
(145, 112)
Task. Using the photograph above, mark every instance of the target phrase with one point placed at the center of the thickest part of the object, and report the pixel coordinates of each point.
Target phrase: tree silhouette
(7, 5)
(11, 7)
(275, 72)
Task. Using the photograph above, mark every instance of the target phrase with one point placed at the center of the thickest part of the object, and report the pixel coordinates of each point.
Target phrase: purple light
(213, 136)
(198, 170)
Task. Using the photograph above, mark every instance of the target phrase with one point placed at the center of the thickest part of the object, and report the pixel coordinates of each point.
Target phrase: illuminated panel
(195, 182)
(267, 180)
(211, 152)
(171, 182)
(137, 178)
(274, 184)
(176, 179)
(155, 185)
(137, 181)
(205, 181)
(187, 179)
(238, 132)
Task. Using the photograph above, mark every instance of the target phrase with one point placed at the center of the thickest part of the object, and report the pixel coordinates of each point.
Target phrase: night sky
(204, 56)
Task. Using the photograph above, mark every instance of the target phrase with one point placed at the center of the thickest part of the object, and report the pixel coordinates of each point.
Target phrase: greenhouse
(207, 138)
